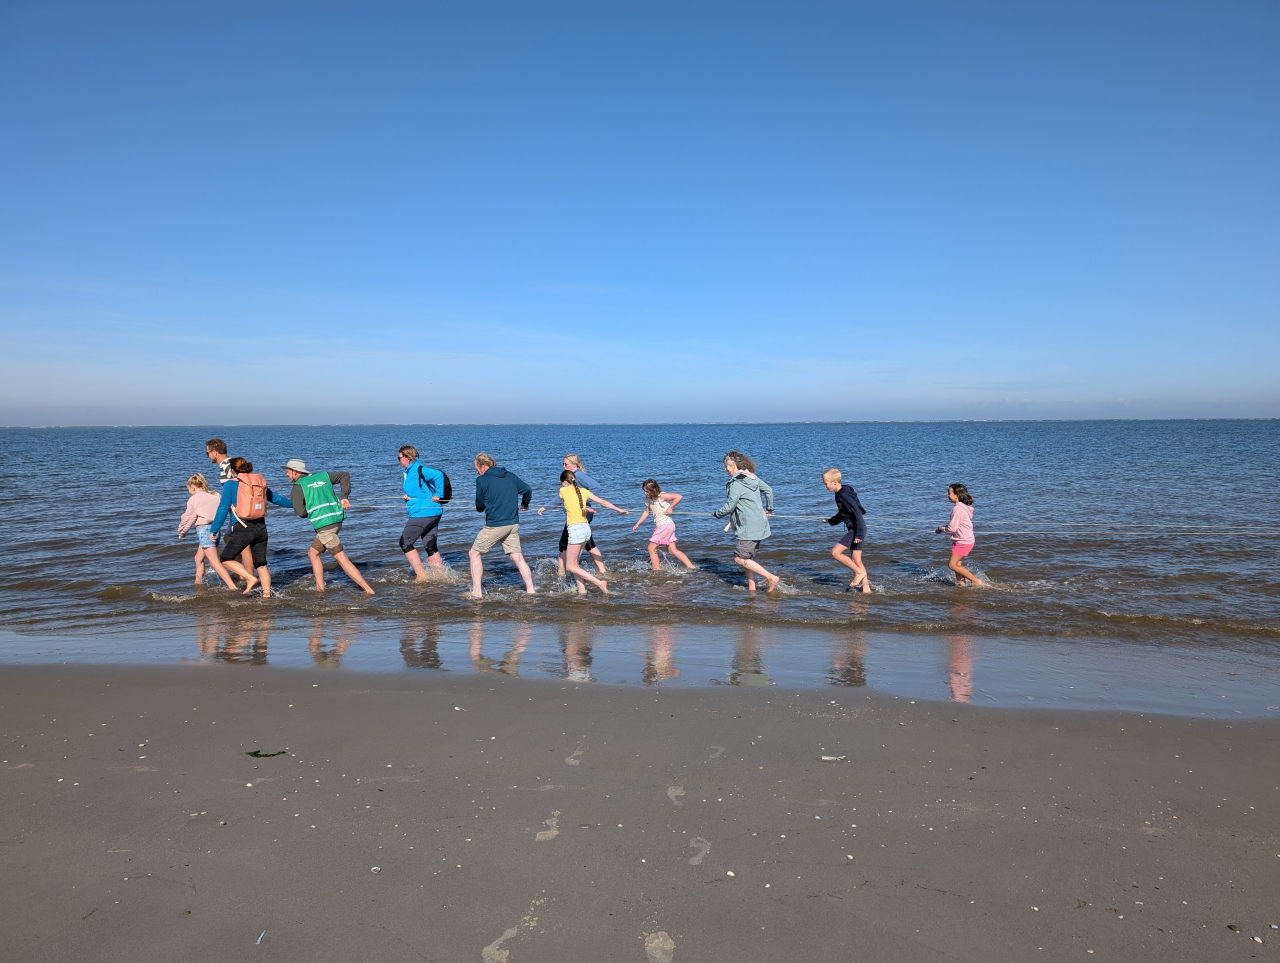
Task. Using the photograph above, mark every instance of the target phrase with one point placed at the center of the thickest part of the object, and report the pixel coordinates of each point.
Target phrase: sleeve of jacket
(479, 494)
(524, 491)
(224, 505)
(767, 491)
(297, 500)
(730, 502)
(343, 479)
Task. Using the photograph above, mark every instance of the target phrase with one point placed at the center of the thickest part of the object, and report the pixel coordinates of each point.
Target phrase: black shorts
(420, 528)
(847, 542)
(587, 546)
(251, 535)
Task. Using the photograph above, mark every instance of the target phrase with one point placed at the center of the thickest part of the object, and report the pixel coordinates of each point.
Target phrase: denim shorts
(579, 533)
(205, 534)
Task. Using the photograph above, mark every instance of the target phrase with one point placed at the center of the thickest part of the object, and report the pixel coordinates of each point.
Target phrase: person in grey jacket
(748, 516)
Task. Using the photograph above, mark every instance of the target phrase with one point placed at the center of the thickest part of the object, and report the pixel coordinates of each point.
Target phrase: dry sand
(480, 818)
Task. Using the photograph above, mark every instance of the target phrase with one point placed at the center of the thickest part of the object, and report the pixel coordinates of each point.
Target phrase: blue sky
(273, 212)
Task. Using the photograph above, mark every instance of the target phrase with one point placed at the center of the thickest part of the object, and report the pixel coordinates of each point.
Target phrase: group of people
(322, 498)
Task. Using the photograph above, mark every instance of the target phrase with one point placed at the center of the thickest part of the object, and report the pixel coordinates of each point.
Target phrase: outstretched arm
(643, 515)
(600, 501)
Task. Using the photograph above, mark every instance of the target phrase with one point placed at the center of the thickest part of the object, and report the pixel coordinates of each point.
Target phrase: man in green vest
(314, 499)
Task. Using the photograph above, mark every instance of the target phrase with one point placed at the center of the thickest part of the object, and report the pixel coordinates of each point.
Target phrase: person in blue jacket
(502, 495)
(244, 534)
(425, 495)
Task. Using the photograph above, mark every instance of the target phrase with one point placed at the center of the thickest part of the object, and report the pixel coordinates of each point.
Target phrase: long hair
(962, 493)
(197, 482)
(652, 489)
(571, 478)
(573, 459)
(742, 461)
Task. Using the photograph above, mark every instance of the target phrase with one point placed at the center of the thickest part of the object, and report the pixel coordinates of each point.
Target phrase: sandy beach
(455, 817)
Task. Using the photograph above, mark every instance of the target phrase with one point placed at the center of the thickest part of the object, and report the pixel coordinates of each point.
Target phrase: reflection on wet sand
(849, 652)
(420, 645)
(244, 641)
(660, 657)
(748, 663)
(346, 628)
(509, 664)
(575, 642)
(960, 656)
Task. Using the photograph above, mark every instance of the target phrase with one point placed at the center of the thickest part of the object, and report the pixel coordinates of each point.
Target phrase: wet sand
(452, 817)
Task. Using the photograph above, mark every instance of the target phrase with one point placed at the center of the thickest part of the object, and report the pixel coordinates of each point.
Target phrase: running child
(848, 551)
(660, 504)
(960, 528)
(201, 507)
(574, 498)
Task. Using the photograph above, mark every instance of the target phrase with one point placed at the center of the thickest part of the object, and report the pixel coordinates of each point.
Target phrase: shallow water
(1144, 542)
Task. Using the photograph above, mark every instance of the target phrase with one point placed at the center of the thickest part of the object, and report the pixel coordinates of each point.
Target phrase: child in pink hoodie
(960, 528)
(202, 506)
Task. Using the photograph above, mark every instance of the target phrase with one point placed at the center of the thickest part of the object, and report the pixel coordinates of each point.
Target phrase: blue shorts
(204, 533)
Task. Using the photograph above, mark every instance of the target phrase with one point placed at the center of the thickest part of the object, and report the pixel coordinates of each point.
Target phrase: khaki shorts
(327, 537)
(508, 535)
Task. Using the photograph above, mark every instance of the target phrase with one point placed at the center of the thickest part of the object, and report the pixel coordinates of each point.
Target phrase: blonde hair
(197, 481)
(575, 460)
(409, 452)
(485, 460)
(831, 475)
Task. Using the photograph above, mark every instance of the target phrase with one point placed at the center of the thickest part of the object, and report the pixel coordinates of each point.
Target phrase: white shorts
(579, 533)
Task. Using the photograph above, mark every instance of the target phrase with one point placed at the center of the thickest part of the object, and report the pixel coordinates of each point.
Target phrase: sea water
(1128, 563)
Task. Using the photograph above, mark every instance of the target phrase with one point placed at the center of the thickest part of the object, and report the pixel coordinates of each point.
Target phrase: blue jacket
(500, 494)
(420, 504)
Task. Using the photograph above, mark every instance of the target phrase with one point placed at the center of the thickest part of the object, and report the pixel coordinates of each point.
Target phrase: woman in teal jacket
(748, 516)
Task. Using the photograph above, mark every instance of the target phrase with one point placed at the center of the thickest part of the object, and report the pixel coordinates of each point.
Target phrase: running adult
(425, 495)
(501, 495)
(313, 497)
(244, 535)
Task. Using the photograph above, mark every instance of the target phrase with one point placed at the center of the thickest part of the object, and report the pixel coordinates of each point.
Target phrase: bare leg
(560, 564)
(317, 568)
(751, 565)
(962, 573)
(579, 573)
(861, 577)
(435, 561)
(852, 560)
(264, 576)
(684, 559)
(216, 564)
(239, 571)
(353, 573)
(653, 557)
(477, 572)
(599, 560)
(415, 563)
(525, 574)
(199, 561)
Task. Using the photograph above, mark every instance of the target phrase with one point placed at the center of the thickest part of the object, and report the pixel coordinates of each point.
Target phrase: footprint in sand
(702, 846)
(717, 752)
(552, 830)
(576, 758)
(674, 793)
(659, 947)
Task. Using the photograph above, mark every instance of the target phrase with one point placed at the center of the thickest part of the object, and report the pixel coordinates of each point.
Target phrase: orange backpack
(251, 497)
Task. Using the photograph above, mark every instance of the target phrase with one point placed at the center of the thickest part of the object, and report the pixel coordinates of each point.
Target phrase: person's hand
(346, 503)
(622, 511)
(768, 511)
(405, 497)
(938, 530)
(434, 498)
(635, 526)
(542, 509)
(524, 508)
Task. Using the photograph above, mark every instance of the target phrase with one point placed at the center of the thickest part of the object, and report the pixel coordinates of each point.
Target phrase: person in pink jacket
(201, 507)
(960, 528)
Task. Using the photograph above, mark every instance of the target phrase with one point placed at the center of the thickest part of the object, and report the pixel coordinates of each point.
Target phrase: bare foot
(751, 586)
(266, 594)
(319, 588)
(532, 591)
(604, 588)
(249, 585)
(583, 590)
(420, 577)
(368, 591)
(866, 587)
(475, 595)
(773, 583)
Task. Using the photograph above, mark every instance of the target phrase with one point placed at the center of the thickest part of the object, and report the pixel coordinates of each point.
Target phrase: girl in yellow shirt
(574, 498)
